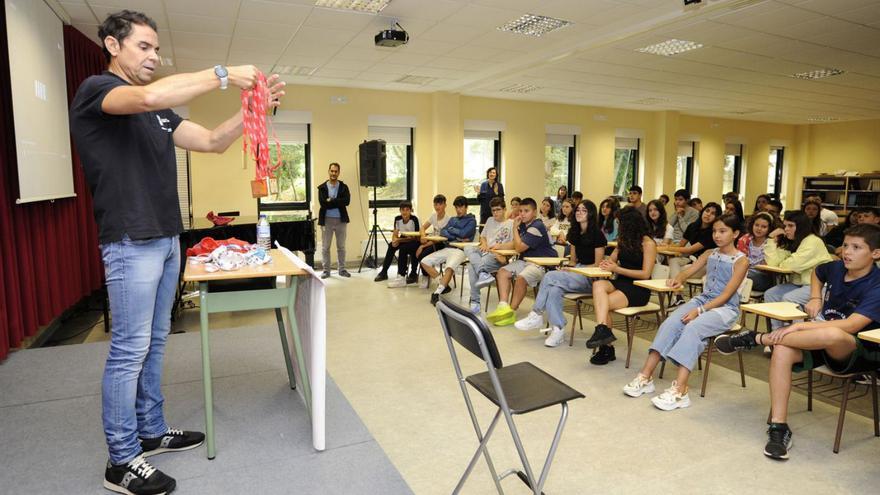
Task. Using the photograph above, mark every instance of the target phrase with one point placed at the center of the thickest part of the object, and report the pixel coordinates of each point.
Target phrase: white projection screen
(39, 101)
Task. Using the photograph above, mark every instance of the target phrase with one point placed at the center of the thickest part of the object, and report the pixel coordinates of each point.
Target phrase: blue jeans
(798, 294)
(683, 343)
(141, 282)
(761, 281)
(554, 285)
(479, 262)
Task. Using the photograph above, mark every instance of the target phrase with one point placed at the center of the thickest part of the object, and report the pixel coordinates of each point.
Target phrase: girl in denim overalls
(682, 337)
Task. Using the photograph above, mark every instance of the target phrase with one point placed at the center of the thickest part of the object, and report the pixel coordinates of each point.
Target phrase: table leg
(285, 348)
(661, 296)
(206, 370)
(297, 343)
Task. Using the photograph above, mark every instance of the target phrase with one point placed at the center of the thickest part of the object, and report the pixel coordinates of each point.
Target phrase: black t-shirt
(695, 233)
(585, 244)
(129, 163)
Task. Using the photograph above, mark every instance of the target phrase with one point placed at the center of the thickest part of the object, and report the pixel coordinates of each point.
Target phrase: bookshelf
(844, 193)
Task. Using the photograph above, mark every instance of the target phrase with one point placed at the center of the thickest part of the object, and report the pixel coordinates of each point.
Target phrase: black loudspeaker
(373, 169)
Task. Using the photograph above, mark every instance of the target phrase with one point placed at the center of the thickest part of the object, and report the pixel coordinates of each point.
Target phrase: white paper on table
(310, 310)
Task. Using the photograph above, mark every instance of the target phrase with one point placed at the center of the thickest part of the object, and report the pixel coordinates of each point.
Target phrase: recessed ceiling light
(282, 69)
(372, 6)
(818, 74)
(419, 80)
(822, 118)
(534, 25)
(651, 101)
(520, 88)
(670, 47)
(304, 71)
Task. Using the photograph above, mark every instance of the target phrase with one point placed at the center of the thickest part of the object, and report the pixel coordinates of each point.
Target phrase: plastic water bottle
(264, 236)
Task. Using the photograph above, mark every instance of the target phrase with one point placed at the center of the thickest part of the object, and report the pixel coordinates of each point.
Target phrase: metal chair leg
(809, 390)
(630, 335)
(742, 373)
(706, 369)
(481, 449)
(571, 339)
(285, 348)
(874, 403)
(842, 415)
(662, 369)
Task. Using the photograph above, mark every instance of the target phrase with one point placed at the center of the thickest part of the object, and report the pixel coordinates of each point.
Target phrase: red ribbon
(254, 107)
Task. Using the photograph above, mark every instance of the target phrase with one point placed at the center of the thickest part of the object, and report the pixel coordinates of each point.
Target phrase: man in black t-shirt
(125, 134)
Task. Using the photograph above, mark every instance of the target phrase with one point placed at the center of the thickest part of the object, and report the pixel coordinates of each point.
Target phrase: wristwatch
(223, 75)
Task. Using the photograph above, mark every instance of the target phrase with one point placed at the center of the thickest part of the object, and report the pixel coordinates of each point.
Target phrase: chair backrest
(470, 331)
(661, 272)
(745, 289)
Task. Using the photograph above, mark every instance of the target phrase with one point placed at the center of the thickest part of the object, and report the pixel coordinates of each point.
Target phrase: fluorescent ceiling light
(534, 25)
(520, 88)
(670, 47)
(419, 80)
(818, 74)
(822, 118)
(294, 69)
(371, 6)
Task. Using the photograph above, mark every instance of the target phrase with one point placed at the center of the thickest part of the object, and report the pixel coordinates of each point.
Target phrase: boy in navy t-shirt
(529, 239)
(851, 304)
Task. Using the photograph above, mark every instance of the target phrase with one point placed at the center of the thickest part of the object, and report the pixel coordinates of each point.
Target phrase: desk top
(546, 260)
(280, 266)
(774, 269)
(435, 238)
(506, 252)
(871, 335)
(409, 234)
(656, 285)
(462, 244)
(666, 250)
(612, 244)
(592, 272)
(784, 311)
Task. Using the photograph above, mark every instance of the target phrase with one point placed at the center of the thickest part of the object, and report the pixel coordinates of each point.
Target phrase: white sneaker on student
(484, 280)
(424, 281)
(476, 308)
(671, 399)
(639, 386)
(397, 282)
(556, 337)
(533, 321)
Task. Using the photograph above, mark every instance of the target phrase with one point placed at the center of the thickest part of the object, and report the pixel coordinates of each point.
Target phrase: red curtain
(49, 256)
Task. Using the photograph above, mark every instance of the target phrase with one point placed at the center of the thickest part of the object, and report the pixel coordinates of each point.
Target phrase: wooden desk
(783, 311)
(591, 271)
(870, 336)
(435, 238)
(409, 234)
(547, 260)
(463, 244)
(663, 291)
(780, 275)
(506, 252)
(612, 244)
(241, 300)
(667, 251)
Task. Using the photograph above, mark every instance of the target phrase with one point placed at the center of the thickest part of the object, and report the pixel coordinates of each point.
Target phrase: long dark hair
(772, 223)
(575, 233)
(607, 223)
(816, 222)
(633, 228)
(718, 212)
(561, 217)
(803, 228)
(658, 228)
(738, 209)
(765, 196)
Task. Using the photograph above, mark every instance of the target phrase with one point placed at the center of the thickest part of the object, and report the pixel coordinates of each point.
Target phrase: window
(732, 168)
(774, 171)
(626, 164)
(293, 192)
(559, 161)
(684, 167)
(482, 150)
(398, 169)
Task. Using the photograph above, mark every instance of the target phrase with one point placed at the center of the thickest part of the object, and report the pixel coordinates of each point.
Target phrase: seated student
(664, 198)
(633, 259)
(547, 213)
(869, 215)
(834, 237)
(405, 247)
(682, 336)
(589, 246)
(734, 207)
(774, 207)
(514, 207)
(658, 227)
(559, 230)
(796, 248)
(529, 239)
(634, 197)
(850, 305)
(462, 228)
(812, 209)
(828, 217)
(752, 245)
(577, 197)
(436, 221)
(761, 203)
(696, 203)
(497, 234)
(608, 222)
(697, 239)
(684, 215)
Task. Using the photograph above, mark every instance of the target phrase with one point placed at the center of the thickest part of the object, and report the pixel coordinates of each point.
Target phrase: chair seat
(695, 281)
(638, 310)
(576, 296)
(527, 387)
(825, 370)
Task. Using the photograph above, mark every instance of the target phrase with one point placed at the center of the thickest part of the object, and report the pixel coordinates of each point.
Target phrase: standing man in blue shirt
(333, 196)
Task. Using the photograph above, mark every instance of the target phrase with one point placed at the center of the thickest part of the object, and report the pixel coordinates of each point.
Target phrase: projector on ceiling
(392, 38)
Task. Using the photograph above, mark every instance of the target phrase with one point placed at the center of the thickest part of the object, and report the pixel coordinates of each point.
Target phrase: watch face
(221, 71)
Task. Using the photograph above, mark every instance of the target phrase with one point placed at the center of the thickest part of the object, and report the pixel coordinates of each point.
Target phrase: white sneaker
(424, 281)
(476, 308)
(485, 280)
(533, 321)
(671, 399)
(556, 337)
(397, 282)
(639, 386)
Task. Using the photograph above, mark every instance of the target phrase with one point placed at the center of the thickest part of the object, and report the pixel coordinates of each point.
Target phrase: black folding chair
(516, 389)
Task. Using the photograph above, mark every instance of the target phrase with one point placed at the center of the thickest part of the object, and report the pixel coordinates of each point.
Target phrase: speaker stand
(372, 247)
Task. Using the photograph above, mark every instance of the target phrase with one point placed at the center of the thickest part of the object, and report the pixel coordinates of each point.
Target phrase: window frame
(737, 170)
(689, 169)
(777, 185)
(395, 202)
(295, 205)
(496, 162)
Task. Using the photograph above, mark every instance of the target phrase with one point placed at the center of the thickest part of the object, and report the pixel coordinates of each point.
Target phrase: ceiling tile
(79, 13)
(200, 46)
(201, 24)
(267, 30)
(256, 10)
(434, 10)
(340, 73)
(339, 19)
(216, 8)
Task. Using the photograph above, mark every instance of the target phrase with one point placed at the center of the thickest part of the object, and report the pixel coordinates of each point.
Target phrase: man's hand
(276, 91)
(243, 76)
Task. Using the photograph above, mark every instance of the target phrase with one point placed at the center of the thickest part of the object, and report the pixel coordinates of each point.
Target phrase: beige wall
(221, 182)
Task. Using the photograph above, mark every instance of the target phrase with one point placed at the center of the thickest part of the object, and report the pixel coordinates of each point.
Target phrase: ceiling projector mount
(392, 37)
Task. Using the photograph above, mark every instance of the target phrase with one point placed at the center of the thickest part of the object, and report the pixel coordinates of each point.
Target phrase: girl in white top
(559, 230)
(546, 213)
(660, 229)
